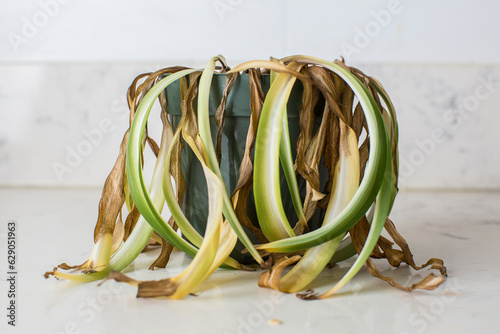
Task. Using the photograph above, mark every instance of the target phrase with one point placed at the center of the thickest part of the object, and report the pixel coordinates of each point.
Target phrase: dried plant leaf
(395, 257)
(220, 113)
(110, 205)
(364, 151)
(358, 120)
(331, 155)
(347, 102)
(147, 289)
(119, 277)
(131, 221)
(407, 255)
(271, 279)
(312, 159)
(323, 81)
(317, 196)
(154, 146)
(112, 197)
(162, 260)
(65, 266)
(245, 174)
(430, 282)
(310, 98)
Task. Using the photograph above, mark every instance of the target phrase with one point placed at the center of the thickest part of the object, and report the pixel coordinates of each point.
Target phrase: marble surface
(56, 225)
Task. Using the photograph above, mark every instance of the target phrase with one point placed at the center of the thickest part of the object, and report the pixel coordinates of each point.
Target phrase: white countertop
(56, 226)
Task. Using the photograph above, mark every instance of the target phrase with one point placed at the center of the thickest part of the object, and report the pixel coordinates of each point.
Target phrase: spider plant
(354, 137)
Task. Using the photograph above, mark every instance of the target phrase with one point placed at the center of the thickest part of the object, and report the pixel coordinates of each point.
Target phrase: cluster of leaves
(356, 140)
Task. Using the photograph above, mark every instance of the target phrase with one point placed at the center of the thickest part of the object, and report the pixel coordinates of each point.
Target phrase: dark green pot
(233, 141)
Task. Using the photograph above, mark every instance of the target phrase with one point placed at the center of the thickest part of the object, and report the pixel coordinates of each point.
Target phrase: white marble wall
(65, 67)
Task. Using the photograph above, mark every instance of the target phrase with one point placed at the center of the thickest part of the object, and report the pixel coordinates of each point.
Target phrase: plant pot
(237, 121)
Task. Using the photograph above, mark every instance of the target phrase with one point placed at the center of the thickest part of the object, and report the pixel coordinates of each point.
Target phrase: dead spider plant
(356, 141)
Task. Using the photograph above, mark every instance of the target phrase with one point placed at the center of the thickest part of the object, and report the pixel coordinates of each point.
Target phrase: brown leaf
(245, 173)
(147, 289)
(119, 277)
(364, 152)
(162, 260)
(130, 222)
(256, 101)
(112, 197)
(407, 255)
(271, 279)
(313, 156)
(322, 79)
(310, 97)
(395, 256)
(220, 113)
(307, 295)
(331, 156)
(160, 288)
(189, 117)
(347, 101)
(65, 266)
(154, 146)
(358, 120)
(430, 282)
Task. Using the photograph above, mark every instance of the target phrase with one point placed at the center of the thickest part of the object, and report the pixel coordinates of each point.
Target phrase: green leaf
(267, 192)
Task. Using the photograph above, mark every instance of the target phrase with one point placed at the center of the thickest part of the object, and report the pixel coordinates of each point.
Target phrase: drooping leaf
(245, 179)
(206, 137)
(345, 184)
(267, 193)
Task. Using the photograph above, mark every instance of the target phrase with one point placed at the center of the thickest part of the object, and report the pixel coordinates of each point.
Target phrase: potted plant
(296, 159)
